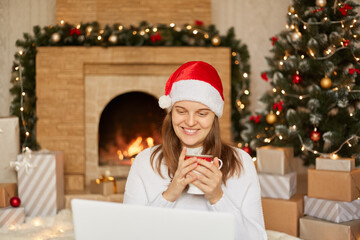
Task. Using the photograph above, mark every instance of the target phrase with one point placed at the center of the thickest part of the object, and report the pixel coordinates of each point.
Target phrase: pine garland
(91, 34)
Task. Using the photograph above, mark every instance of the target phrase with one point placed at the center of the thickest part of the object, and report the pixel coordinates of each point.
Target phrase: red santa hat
(194, 81)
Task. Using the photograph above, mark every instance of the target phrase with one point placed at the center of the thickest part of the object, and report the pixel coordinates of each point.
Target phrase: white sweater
(241, 197)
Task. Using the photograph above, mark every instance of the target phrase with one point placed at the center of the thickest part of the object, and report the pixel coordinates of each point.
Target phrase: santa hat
(194, 81)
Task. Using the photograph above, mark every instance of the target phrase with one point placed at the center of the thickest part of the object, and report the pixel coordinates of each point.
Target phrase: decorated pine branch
(314, 73)
(91, 34)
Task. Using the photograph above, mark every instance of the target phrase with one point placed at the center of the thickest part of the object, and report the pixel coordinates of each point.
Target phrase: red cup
(208, 158)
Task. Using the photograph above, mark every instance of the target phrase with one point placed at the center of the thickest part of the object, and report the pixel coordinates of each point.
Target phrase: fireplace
(76, 85)
(129, 123)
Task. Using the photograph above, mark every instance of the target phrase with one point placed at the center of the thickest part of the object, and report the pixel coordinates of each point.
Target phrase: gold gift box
(283, 215)
(316, 229)
(274, 160)
(334, 185)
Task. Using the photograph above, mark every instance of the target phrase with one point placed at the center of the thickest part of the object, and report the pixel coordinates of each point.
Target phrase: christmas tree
(314, 72)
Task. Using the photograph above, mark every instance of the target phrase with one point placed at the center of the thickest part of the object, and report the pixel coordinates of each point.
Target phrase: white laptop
(95, 220)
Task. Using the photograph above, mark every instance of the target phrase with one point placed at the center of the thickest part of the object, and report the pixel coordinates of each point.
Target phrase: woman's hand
(210, 179)
(181, 178)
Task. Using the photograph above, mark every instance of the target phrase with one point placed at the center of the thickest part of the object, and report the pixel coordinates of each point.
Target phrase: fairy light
(101, 31)
(285, 57)
(206, 36)
(147, 30)
(78, 26)
(245, 75)
(246, 92)
(292, 26)
(254, 159)
(172, 25)
(274, 90)
(283, 92)
(301, 97)
(293, 127)
(233, 54)
(195, 32)
(62, 22)
(349, 144)
(142, 32)
(155, 29)
(188, 27)
(134, 32)
(302, 56)
(280, 137)
(278, 113)
(281, 63)
(236, 62)
(99, 38)
(304, 27)
(334, 156)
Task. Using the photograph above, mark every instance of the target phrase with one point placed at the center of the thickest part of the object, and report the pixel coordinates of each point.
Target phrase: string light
(172, 25)
(245, 75)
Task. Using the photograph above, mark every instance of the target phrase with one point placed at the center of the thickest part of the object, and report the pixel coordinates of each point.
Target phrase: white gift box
(11, 216)
(9, 147)
(278, 186)
(340, 164)
(275, 160)
(335, 211)
(41, 184)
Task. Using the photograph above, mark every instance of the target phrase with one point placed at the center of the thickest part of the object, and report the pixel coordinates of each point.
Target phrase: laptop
(96, 220)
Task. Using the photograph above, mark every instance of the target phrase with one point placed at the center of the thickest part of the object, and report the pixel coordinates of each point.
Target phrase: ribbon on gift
(107, 179)
(24, 162)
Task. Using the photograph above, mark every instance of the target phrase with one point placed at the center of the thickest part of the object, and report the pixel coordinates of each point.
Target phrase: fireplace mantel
(74, 84)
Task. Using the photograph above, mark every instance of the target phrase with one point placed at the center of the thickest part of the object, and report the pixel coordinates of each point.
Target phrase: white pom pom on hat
(194, 81)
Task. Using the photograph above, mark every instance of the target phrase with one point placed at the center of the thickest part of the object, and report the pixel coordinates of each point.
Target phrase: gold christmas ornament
(291, 9)
(55, 37)
(113, 38)
(216, 41)
(271, 118)
(325, 82)
(320, 3)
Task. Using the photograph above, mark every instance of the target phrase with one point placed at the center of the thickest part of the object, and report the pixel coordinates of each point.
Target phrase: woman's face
(192, 122)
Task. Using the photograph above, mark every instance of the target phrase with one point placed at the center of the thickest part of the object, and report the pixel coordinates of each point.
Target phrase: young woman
(160, 175)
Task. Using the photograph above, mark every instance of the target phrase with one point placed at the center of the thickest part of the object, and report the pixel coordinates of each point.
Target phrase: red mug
(192, 188)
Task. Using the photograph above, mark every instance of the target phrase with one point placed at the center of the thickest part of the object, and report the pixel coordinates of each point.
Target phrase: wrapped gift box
(41, 187)
(7, 191)
(316, 229)
(11, 216)
(340, 164)
(9, 147)
(275, 160)
(103, 188)
(335, 211)
(120, 184)
(283, 215)
(278, 186)
(334, 185)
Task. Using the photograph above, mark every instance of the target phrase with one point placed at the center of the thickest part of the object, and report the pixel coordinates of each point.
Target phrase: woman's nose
(190, 120)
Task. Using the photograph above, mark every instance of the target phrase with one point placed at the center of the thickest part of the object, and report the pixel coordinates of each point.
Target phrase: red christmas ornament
(344, 9)
(318, 10)
(346, 43)
(247, 149)
(199, 23)
(296, 78)
(256, 119)
(75, 31)
(274, 40)
(264, 76)
(156, 37)
(278, 106)
(315, 136)
(353, 70)
(15, 201)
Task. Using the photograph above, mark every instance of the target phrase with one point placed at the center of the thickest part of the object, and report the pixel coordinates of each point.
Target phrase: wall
(255, 21)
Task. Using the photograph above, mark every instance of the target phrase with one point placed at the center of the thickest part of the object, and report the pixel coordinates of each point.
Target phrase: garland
(91, 34)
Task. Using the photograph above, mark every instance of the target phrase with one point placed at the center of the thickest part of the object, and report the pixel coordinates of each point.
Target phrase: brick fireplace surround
(74, 84)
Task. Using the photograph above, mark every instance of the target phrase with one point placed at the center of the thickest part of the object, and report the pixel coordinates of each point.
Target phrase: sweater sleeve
(136, 189)
(249, 221)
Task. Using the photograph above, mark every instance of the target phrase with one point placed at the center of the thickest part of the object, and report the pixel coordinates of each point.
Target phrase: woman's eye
(203, 114)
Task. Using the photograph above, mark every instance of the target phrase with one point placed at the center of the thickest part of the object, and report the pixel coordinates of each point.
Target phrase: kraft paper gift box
(9, 147)
(335, 211)
(104, 188)
(120, 184)
(334, 185)
(283, 215)
(7, 191)
(339, 164)
(11, 216)
(41, 186)
(275, 160)
(278, 186)
(317, 229)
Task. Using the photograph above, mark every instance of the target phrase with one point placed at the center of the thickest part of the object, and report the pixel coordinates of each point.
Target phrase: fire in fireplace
(129, 123)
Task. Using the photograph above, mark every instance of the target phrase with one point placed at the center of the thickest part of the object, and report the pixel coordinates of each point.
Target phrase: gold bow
(107, 179)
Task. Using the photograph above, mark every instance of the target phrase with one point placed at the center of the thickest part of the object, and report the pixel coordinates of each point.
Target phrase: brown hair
(169, 151)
